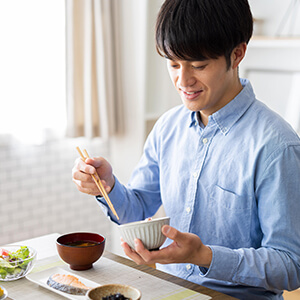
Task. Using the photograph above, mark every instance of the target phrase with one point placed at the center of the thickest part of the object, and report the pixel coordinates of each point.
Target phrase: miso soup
(82, 244)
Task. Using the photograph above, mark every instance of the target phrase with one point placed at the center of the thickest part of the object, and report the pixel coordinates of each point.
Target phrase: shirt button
(205, 140)
(195, 175)
(188, 267)
(188, 210)
(195, 123)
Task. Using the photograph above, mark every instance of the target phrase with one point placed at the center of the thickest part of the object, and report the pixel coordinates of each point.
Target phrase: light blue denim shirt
(235, 183)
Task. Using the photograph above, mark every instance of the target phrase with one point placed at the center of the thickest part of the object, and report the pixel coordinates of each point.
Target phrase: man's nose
(186, 78)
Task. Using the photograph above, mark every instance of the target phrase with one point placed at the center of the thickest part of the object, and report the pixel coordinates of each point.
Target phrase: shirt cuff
(223, 265)
(114, 194)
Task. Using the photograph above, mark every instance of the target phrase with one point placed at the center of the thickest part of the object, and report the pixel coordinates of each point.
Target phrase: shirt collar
(228, 115)
(193, 119)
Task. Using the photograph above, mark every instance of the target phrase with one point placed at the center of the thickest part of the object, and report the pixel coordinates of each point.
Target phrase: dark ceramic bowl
(100, 292)
(80, 257)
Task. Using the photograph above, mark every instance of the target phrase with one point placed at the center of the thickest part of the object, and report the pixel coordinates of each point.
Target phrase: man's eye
(200, 67)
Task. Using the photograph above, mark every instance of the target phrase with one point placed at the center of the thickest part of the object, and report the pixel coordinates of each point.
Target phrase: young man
(224, 166)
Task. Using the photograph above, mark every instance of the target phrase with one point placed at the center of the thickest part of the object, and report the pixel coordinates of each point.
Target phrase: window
(32, 68)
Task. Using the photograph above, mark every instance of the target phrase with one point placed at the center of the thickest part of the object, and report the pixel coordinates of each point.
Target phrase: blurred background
(85, 73)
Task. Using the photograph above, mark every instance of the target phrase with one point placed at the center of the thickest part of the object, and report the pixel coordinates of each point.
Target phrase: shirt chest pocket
(232, 217)
(230, 200)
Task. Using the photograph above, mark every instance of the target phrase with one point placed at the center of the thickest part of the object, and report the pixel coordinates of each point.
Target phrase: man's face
(204, 86)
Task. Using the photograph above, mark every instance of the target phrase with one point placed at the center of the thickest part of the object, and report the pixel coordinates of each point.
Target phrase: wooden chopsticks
(98, 183)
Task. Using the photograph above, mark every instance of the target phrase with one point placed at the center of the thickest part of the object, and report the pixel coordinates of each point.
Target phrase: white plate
(5, 293)
(41, 279)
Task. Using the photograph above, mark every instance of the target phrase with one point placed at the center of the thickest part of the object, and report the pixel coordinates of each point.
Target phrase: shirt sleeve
(141, 198)
(275, 265)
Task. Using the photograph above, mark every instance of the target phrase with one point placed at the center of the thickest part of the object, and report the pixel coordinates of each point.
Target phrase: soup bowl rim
(80, 232)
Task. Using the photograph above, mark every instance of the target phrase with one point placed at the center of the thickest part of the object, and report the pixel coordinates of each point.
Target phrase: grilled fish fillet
(68, 284)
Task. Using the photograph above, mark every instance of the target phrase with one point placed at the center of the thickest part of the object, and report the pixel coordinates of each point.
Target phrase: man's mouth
(190, 95)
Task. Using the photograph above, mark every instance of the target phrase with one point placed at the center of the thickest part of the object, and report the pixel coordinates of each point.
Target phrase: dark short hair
(202, 29)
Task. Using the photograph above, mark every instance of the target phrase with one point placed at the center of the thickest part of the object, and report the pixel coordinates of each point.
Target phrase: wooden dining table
(110, 268)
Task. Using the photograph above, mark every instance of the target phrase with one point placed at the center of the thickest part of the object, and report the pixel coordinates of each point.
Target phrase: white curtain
(94, 106)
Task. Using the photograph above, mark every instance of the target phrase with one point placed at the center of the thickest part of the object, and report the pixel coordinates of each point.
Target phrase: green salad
(14, 264)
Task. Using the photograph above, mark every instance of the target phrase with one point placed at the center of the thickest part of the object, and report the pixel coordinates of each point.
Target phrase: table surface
(46, 247)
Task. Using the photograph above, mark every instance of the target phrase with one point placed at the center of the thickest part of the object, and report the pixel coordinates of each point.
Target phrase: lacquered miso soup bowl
(148, 231)
(80, 249)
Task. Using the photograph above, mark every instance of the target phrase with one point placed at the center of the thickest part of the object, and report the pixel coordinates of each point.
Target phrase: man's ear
(238, 54)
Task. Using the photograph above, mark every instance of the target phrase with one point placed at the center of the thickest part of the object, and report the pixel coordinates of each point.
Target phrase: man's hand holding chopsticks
(97, 166)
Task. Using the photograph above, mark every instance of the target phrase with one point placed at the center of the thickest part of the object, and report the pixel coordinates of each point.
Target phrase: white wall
(147, 88)
(271, 12)
(37, 194)
(273, 67)
(272, 64)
